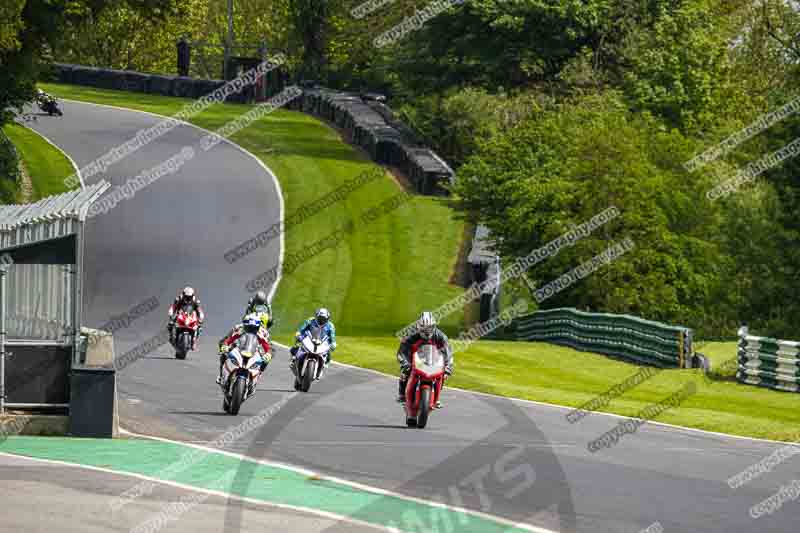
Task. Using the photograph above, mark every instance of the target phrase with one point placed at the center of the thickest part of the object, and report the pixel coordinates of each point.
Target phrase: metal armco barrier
(768, 362)
(625, 336)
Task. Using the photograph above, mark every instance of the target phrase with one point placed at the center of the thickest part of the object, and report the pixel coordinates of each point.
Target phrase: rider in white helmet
(185, 297)
(425, 332)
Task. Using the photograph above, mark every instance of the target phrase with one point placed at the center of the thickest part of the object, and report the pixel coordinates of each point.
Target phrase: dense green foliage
(9, 170)
(553, 110)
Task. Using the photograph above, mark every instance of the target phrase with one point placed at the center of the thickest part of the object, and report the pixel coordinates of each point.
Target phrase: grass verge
(381, 275)
(563, 376)
(47, 166)
(378, 279)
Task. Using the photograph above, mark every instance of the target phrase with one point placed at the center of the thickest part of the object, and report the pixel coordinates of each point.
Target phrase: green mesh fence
(629, 337)
(768, 362)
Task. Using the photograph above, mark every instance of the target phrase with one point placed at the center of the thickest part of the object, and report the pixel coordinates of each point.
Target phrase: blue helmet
(251, 323)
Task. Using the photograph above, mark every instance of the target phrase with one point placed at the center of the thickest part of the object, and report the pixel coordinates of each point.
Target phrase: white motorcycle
(311, 357)
(241, 371)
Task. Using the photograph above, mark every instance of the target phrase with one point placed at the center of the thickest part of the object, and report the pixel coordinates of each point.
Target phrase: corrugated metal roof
(50, 218)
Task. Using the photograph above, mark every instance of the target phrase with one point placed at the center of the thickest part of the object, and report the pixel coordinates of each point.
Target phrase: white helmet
(426, 324)
(188, 294)
(322, 316)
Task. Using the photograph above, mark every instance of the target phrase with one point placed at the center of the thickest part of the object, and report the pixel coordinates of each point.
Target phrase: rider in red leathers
(187, 296)
(426, 333)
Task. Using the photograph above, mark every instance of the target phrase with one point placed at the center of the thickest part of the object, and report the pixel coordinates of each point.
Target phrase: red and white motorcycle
(424, 384)
(187, 323)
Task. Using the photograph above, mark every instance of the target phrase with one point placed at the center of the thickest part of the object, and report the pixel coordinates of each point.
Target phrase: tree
(32, 33)
(572, 161)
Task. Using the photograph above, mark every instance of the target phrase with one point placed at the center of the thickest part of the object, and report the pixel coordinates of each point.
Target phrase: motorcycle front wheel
(309, 374)
(237, 395)
(424, 406)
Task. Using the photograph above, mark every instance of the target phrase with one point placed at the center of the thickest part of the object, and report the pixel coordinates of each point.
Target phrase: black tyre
(237, 396)
(411, 422)
(308, 375)
(424, 407)
(183, 345)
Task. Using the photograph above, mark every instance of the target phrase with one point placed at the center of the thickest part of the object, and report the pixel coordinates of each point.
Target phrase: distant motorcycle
(241, 371)
(424, 385)
(187, 323)
(50, 106)
(311, 356)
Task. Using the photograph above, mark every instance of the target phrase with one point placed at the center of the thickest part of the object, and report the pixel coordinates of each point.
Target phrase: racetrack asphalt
(517, 460)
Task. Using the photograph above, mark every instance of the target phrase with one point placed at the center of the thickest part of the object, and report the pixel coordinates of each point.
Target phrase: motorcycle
(50, 106)
(241, 371)
(186, 325)
(424, 385)
(311, 357)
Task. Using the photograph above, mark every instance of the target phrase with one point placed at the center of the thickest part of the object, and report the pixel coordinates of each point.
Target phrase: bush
(9, 170)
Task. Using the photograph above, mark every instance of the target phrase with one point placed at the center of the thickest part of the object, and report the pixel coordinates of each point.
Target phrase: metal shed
(41, 283)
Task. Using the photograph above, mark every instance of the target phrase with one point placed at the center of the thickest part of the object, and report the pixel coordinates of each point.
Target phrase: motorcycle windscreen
(317, 333)
(429, 359)
(248, 344)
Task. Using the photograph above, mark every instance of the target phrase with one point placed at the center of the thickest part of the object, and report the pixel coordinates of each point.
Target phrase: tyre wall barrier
(371, 125)
(126, 80)
(628, 337)
(366, 123)
(767, 362)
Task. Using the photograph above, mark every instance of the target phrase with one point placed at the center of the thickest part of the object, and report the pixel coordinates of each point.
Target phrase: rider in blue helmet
(321, 318)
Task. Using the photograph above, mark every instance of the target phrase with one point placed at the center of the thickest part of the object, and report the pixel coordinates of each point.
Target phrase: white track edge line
(353, 484)
(565, 407)
(533, 402)
(65, 154)
(309, 510)
(271, 174)
(272, 292)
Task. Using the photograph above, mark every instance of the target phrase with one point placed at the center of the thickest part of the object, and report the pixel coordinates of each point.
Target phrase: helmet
(187, 294)
(322, 316)
(260, 298)
(251, 323)
(426, 324)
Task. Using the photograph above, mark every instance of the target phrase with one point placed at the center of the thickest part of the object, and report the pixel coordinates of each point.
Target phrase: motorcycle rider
(186, 297)
(251, 323)
(321, 318)
(426, 333)
(259, 299)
